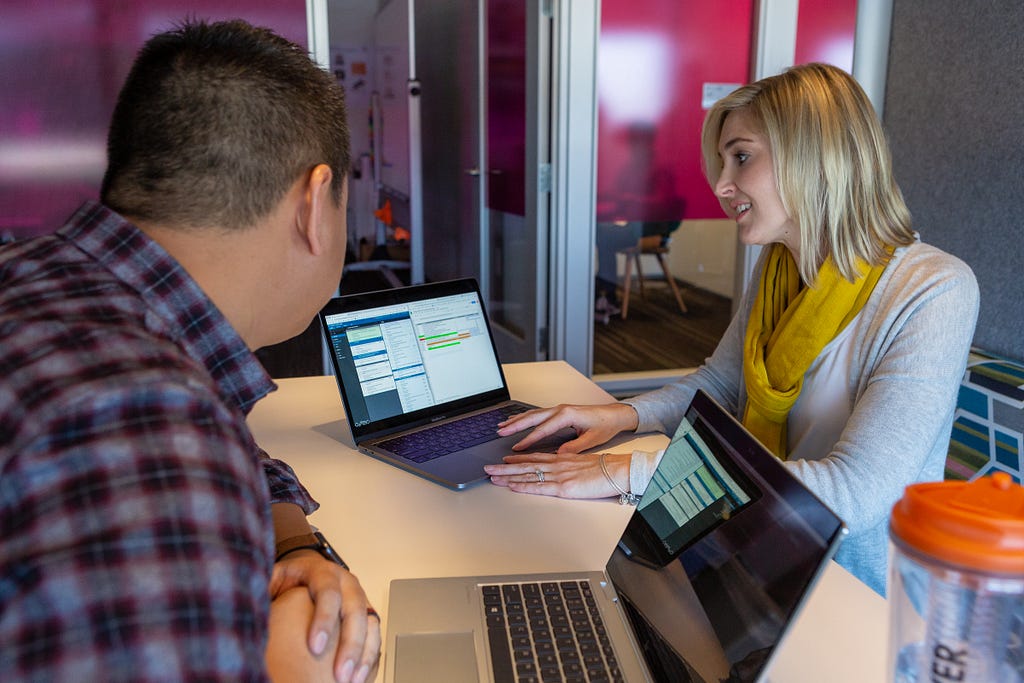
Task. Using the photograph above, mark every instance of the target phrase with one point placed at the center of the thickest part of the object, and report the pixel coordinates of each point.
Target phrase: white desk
(390, 524)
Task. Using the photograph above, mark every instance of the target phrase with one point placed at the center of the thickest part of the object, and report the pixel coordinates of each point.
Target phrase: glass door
(665, 251)
(481, 70)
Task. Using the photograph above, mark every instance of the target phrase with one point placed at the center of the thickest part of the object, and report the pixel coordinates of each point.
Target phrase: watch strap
(295, 543)
(313, 541)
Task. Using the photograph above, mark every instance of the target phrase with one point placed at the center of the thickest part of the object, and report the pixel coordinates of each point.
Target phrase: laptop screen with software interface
(405, 357)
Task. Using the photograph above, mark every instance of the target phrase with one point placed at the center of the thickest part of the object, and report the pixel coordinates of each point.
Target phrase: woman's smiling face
(747, 189)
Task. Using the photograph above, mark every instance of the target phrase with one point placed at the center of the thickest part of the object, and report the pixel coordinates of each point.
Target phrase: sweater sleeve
(641, 469)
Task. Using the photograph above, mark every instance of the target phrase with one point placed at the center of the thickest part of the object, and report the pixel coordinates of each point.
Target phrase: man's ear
(310, 218)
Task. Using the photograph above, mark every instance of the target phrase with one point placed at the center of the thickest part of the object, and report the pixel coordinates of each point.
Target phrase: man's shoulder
(55, 368)
(119, 349)
(78, 332)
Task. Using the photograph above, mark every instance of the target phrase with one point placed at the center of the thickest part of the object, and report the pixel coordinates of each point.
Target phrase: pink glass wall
(825, 31)
(654, 57)
(61, 66)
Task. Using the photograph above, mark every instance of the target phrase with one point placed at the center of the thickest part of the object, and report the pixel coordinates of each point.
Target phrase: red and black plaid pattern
(135, 532)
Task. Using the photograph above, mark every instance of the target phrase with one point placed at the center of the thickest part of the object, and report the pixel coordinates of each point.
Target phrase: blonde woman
(848, 347)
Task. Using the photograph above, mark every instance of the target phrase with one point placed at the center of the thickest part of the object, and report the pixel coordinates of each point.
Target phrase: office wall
(954, 112)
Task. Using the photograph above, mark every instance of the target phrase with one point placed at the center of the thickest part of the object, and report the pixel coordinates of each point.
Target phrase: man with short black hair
(145, 535)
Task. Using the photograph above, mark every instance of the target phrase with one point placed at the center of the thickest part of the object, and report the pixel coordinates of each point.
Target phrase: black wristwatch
(314, 541)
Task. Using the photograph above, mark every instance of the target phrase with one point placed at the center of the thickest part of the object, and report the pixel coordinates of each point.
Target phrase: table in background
(389, 524)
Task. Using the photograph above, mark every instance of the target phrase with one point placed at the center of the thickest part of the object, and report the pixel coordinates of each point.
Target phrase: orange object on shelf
(383, 214)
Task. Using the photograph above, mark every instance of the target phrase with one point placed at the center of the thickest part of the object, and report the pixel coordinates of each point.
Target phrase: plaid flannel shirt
(135, 532)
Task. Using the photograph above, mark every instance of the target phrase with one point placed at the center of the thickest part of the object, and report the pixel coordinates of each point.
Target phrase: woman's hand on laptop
(564, 475)
(594, 425)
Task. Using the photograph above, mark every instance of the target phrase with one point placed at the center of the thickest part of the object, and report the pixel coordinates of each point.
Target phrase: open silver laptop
(707, 578)
(420, 379)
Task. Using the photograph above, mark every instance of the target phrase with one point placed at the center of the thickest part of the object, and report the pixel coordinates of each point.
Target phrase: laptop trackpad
(435, 658)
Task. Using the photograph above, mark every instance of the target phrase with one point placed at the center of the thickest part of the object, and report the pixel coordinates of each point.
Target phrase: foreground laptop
(420, 379)
(707, 578)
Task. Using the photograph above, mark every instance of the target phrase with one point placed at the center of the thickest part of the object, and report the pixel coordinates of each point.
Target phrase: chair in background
(657, 245)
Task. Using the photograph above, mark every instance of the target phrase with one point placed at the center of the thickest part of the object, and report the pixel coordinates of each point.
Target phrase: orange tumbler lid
(976, 525)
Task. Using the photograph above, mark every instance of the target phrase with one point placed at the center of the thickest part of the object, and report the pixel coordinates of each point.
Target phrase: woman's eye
(742, 156)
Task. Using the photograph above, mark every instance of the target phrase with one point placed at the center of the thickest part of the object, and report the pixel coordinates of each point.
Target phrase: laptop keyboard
(547, 631)
(448, 437)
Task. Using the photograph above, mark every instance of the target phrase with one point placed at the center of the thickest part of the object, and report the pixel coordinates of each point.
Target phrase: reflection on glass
(692, 493)
(63, 64)
(511, 242)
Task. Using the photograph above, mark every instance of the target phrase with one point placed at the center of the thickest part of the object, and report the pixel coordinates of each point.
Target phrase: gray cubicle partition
(954, 112)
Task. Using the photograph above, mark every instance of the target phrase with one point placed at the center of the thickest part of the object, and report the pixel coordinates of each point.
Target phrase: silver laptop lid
(721, 552)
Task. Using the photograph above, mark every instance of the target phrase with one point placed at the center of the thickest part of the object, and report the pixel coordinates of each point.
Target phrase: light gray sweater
(910, 344)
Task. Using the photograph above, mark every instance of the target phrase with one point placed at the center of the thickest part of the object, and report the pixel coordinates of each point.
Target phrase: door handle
(473, 171)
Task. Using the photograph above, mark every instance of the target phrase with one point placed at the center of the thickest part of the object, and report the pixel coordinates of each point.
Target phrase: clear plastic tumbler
(956, 583)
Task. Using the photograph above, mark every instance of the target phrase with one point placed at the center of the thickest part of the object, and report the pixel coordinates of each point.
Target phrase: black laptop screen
(694, 489)
(720, 552)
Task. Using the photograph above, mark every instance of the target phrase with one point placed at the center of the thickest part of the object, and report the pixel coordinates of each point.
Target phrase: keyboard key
(501, 659)
(526, 668)
(523, 655)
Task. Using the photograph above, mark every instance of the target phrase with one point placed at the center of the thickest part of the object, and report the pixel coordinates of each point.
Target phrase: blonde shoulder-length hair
(832, 164)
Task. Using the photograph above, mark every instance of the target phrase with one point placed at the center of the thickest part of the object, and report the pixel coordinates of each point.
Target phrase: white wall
(703, 253)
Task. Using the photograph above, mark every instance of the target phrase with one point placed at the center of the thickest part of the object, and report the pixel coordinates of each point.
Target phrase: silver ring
(540, 475)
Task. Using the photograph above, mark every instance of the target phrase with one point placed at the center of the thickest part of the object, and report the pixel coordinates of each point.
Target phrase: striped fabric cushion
(989, 419)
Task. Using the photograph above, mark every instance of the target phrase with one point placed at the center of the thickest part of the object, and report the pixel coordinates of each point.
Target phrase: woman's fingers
(594, 425)
(553, 420)
(544, 422)
(521, 421)
(572, 475)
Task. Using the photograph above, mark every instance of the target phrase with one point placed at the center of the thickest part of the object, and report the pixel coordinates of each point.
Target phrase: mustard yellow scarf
(787, 330)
